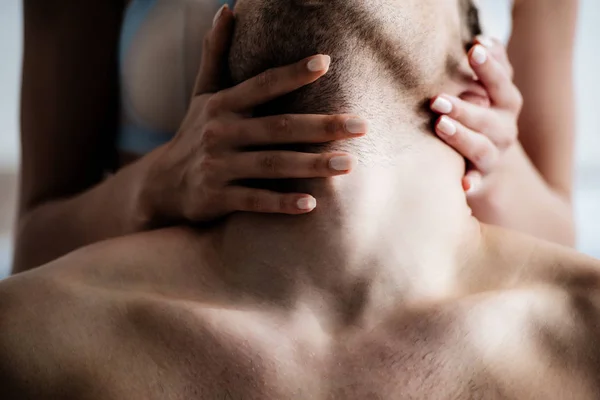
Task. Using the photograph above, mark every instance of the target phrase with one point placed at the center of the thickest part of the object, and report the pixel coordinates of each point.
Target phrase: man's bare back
(389, 289)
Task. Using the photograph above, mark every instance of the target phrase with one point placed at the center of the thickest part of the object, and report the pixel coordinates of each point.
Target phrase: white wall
(587, 79)
(587, 73)
(588, 144)
(10, 54)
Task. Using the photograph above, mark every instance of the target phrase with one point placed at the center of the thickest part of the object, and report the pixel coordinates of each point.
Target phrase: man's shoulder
(98, 331)
(173, 261)
(556, 291)
(508, 259)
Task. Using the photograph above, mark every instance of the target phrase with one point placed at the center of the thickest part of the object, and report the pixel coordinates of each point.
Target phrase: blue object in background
(5, 256)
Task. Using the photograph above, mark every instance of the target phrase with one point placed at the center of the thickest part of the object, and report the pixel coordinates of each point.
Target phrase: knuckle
(318, 164)
(211, 136)
(285, 202)
(332, 126)
(208, 166)
(494, 85)
(271, 163)
(511, 71)
(485, 126)
(282, 203)
(281, 126)
(267, 80)
(253, 202)
(518, 99)
(484, 157)
(508, 139)
(213, 105)
(480, 154)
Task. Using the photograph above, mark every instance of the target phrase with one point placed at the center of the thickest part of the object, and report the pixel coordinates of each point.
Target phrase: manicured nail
(479, 54)
(319, 63)
(441, 105)
(218, 14)
(485, 41)
(306, 203)
(356, 125)
(342, 163)
(446, 126)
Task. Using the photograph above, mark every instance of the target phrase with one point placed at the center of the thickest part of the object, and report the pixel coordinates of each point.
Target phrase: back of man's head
(388, 56)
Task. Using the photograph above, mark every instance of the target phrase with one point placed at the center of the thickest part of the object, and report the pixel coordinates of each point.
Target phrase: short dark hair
(272, 33)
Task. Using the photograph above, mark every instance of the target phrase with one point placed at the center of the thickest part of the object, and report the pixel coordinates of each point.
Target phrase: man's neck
(379, 236)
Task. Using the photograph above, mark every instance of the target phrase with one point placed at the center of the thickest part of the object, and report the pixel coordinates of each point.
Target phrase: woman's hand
(482, 134)
(193, 177)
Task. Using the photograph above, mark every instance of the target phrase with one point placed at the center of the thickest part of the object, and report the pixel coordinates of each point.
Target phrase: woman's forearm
(519, 198)
(56, 227)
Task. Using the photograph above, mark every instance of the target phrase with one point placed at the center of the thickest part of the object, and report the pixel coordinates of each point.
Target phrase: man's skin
(390, 289)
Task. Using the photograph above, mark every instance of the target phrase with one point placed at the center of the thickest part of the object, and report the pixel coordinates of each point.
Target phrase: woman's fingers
(503, 93)
(498, 51)
(468, 114)
(475, 147)
(214, 52)
(288, 164)
(285, 129)
(489, 122)
(272, 83)
(239, 198)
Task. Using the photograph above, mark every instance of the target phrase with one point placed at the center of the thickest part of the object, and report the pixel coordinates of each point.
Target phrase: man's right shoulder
(97, 334)
(27, 319)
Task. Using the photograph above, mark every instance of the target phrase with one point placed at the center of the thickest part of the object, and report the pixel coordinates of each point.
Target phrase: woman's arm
(522, 185)
(534, 182)
(541, 51)
(69, 109)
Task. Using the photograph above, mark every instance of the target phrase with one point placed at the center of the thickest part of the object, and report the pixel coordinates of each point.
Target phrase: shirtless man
(390, 289)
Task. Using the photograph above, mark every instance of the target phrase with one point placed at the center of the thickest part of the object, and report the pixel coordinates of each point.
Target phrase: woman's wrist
(516, 196)
(503, 190)
(150, 194)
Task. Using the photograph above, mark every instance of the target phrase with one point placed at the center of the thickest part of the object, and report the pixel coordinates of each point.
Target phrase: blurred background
(587, 78)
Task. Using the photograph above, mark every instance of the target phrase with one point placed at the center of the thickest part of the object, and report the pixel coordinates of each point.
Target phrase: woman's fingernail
(342, 163)
(356, 126)
(446, 126)
(319, 63)
(479, 54)
(306, 203)
(218, 14)
(485, 41)
(441, 105)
